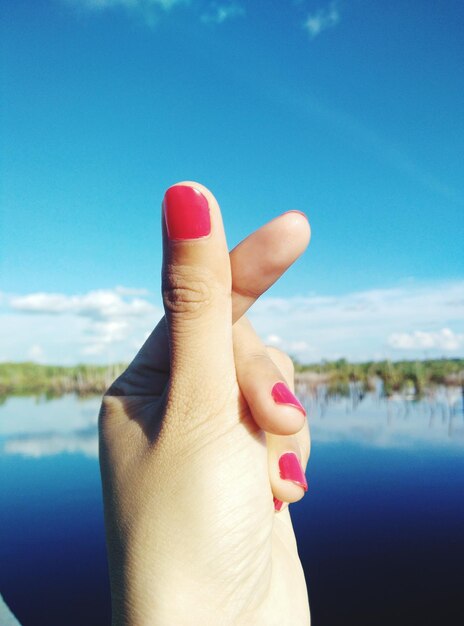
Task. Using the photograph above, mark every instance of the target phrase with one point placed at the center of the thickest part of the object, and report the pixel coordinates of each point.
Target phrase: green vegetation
(29, 379)
(405, 376)
(415, 377)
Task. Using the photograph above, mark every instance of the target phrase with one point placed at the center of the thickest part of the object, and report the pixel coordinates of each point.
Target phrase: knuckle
(251, 358)
(245, 291)
(283, 361)
(188, 291)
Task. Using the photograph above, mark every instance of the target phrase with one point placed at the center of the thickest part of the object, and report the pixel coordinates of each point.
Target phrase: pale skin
(190, 439)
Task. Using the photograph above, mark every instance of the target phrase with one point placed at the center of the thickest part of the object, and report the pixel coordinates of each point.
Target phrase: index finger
(259, 261)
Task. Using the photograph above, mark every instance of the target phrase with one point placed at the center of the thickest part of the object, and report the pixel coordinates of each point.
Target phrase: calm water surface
(380, 532)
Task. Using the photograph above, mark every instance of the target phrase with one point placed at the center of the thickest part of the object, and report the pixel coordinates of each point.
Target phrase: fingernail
(277, 504)
(282, 395)
(186, 213)
(290, 469)
(296, 211)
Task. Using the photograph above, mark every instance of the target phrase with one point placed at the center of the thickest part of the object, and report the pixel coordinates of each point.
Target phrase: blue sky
(349, 110)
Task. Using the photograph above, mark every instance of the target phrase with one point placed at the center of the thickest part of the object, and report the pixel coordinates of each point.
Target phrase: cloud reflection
(397, 422)
(37, 428)
(36, 446)
(69, 426)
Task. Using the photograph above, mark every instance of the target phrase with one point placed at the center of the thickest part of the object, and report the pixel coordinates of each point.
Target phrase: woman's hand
(199, 434)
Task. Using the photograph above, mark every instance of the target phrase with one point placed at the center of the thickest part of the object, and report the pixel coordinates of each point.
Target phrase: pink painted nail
(290, 469)
(277, 504)
(282, 395)
(186, 212)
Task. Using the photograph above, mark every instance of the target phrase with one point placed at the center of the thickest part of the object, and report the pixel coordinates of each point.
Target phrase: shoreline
(338, 377)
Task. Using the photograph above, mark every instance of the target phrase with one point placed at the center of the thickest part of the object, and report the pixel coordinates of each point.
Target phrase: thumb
(196, 284)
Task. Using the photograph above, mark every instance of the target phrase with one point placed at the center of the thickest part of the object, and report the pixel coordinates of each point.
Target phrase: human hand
(191, 440)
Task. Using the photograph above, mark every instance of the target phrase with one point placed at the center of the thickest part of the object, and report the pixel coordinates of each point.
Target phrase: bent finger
(287, 456)
(286, 469)
(273, 405)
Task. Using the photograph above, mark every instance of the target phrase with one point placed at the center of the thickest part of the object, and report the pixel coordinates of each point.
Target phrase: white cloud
(322, 19)
(273, 340)
(101, 325)
(148, 11)
(298, 347)
(106, 326)
(131, 5)
(219, 13)
(360, 325)
(35, 353)
(102, 335)
(99, 304)
(445, 340)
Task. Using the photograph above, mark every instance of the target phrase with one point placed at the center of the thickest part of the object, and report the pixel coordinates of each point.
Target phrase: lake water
(380, 532)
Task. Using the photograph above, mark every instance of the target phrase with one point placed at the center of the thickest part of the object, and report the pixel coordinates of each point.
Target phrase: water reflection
(38, 428)
(48, 444)
(382, 521)
(398, 421)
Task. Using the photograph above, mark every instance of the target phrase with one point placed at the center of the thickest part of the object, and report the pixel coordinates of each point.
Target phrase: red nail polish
(186, 213)
(277, 504)
(282, 395)
(290, 469)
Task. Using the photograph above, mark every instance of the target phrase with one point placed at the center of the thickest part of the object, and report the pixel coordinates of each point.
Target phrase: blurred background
(348, 110)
